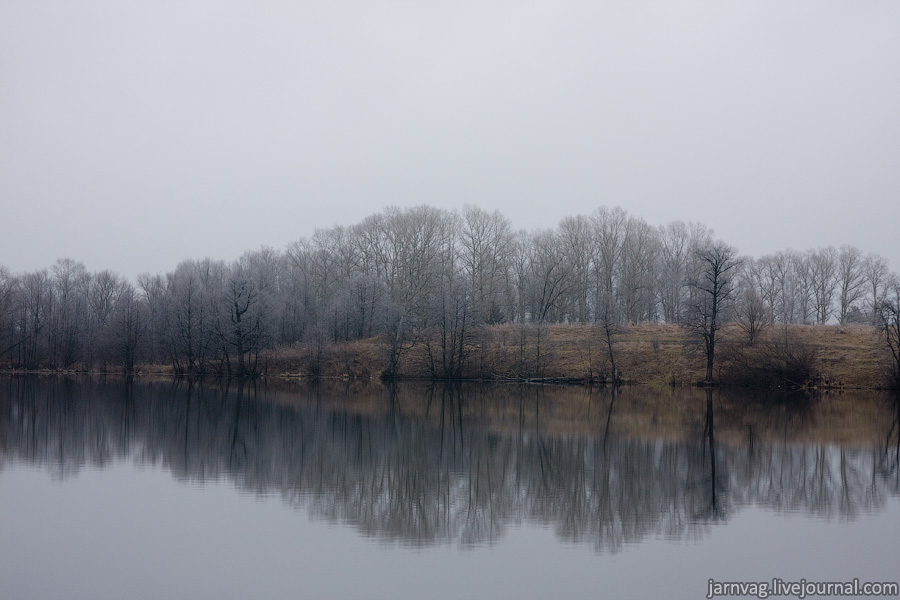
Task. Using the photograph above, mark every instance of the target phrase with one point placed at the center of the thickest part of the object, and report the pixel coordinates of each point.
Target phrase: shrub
(786, 362)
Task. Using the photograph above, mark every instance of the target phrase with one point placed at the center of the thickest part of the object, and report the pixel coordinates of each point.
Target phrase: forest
(435, 281)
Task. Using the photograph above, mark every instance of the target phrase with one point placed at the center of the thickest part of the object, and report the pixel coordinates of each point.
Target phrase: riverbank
(816, 356)
(793, 356)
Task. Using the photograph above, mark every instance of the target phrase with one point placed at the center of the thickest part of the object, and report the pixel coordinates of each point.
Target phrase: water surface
(162, 489)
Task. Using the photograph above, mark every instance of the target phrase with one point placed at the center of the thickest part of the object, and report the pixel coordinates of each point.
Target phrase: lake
(113, 488)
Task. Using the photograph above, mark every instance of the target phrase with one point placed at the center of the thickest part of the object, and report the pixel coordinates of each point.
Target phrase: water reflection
(457, 464)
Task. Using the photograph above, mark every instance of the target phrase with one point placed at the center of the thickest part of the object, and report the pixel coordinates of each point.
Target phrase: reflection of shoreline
(441, 466)
(853, 418)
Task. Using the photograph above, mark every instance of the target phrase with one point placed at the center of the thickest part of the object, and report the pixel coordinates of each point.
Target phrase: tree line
(436, 279)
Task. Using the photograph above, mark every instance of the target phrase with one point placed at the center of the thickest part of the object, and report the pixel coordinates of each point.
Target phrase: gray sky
(136, 134)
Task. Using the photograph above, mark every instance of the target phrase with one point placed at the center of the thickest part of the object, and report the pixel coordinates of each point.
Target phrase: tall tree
(34, 319)
(889, 313)
(407, 251)
(636, 279)
(486, 246)
(609, 317)
(823, 270)
(671, 269)
(851, 279)
(876, 273)
(577, 234)
(450, 331)
(69, 317)
(9, 293)
(752, 310)
(610, 229)
(128, 327)
(715, 286)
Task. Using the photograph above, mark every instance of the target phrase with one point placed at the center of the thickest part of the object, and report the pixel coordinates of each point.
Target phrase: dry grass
(845, 357)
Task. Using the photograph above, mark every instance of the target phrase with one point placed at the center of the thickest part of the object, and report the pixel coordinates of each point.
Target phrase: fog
(135, 135)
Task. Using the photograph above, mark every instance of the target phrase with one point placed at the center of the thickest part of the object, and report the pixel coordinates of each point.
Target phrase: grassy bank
(848, 357)
(809, 356)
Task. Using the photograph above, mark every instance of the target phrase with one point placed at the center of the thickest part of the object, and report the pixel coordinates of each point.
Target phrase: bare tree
(486, 245)
(805, 279)
(542, 280)
(823, 265)
(102, 294)
(407, 249)
(636, 279)
(672, 270)
(700, 238)
(851, 279)
(609, 318)
(9, 298)
(548, 276)
(301, 306)
(241, 329)
(449, 324)
(151, 290)
(69, 317)
(129, 326)
(577, 234)
(779, 285)
(753, 312)
(34, 319)
(889, 313)
(876, 273)
(714, 287)
(187, 317)
(610, 229)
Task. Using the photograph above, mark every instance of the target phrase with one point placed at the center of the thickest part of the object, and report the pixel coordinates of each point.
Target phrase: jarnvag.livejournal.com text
(801, 589)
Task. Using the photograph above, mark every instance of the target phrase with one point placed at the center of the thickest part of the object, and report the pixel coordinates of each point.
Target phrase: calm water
(170, 489)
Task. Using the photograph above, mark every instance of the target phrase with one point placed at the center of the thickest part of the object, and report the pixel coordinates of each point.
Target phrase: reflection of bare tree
(710, 478)
(888, 460)
(441, 465)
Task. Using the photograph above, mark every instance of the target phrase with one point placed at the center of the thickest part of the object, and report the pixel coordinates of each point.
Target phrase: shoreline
(826, 357)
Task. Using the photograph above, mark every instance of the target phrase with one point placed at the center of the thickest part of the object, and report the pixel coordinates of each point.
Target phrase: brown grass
(845, 357)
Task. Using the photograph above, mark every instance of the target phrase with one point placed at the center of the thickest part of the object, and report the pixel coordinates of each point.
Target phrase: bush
(784, 363)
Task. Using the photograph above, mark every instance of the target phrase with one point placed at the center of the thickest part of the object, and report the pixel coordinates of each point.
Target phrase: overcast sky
(137, 134)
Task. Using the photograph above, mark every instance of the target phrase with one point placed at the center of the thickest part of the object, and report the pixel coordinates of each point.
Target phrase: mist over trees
(433, 279)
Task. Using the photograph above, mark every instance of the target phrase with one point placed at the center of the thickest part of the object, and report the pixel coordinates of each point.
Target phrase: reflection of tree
(889, 458)
(442, 466)
(710, 476)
